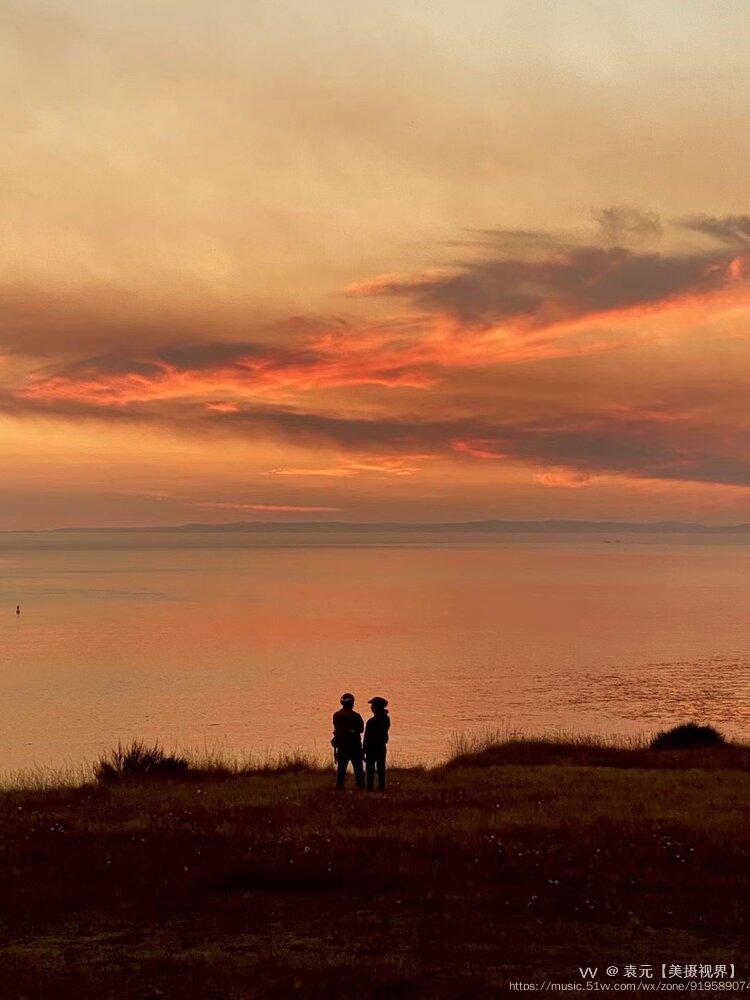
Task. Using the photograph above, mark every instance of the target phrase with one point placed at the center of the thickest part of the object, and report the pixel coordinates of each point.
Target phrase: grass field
(515, 862)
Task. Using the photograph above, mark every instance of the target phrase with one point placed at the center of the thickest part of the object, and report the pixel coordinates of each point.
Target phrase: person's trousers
(376, 764)
(343, 763)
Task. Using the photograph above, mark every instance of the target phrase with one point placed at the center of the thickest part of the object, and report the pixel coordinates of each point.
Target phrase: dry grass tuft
(138, 761)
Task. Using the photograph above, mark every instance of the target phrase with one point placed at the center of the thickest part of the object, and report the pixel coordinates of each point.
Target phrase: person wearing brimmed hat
(347, 741)
(376, 738)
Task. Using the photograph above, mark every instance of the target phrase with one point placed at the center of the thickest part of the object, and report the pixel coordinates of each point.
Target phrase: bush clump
(689, 736)
(138, 761)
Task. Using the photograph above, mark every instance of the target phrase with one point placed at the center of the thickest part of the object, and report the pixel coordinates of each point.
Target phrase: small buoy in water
(18, 609)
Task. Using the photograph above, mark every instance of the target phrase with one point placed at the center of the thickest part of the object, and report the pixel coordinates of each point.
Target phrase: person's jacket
(376, 732)
(347, 730)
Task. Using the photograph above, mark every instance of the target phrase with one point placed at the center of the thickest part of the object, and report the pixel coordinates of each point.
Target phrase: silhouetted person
(376, 738)
(18, 609)
(347, 741)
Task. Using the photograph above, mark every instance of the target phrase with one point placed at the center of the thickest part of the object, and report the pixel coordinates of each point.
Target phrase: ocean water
(245, 643)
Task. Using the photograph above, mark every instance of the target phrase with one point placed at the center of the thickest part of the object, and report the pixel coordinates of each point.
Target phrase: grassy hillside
(454, 882)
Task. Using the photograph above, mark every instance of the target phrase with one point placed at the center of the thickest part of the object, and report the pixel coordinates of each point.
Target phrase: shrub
(138, 761)
(689, 736)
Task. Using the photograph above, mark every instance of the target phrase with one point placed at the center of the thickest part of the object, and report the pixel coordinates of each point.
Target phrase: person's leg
(359, 774)
(381, 773)
(370, 769)
(341, 770)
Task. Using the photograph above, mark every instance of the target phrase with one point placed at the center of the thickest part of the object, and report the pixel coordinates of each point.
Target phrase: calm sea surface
(243, 643)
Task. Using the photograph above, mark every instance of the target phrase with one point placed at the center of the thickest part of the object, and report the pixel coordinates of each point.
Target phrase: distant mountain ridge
(448, 527)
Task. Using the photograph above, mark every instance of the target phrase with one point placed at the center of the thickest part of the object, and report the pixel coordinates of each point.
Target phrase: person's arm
(359, 723)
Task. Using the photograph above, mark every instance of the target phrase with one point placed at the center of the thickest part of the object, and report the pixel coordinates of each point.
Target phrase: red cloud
(556, 302)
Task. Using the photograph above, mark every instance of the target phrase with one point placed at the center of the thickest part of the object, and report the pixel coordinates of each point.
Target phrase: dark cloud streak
(640, 447)
(577, 282)
(731, 230)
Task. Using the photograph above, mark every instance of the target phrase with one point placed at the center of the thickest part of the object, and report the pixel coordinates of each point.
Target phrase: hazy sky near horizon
(424, 260)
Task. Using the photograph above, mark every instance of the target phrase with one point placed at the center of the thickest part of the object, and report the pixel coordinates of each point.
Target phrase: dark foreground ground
(453, 883)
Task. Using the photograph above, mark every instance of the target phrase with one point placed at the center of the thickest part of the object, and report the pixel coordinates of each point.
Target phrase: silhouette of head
(347, 700)
(378, 704)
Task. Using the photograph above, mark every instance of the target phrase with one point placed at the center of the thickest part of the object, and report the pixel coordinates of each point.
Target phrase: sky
(282, 260)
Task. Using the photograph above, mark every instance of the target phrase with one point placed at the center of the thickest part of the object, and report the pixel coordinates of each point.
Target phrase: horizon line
(484, 524)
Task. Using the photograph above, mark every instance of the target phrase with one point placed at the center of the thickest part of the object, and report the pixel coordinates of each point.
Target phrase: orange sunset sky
(370, 260)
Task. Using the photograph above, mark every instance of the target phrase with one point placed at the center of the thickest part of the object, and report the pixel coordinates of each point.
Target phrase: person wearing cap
(376, 738)
(347, 741)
